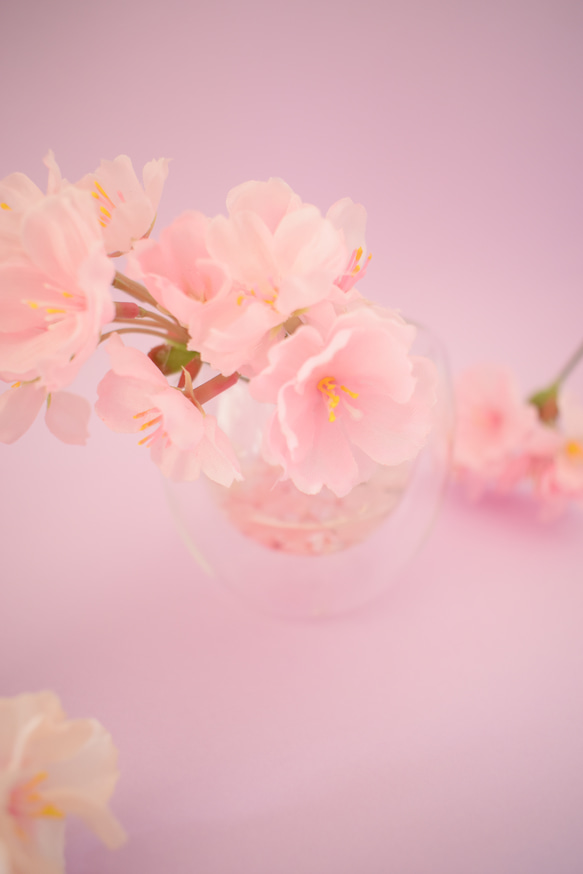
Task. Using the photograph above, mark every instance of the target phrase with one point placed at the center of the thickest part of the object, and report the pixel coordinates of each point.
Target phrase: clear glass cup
(310, 556)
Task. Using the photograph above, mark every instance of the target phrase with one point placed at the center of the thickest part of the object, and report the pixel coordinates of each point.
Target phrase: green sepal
(545, 401)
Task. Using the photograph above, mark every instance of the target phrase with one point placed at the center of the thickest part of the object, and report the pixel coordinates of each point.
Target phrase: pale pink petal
(350, 218)
(245, 245)
(270, 200)
(127, 361)
(67, 417)
(126, 212)
(154, 175)
(19, 408)
(124, 403)
(58, 233)
(55, 180)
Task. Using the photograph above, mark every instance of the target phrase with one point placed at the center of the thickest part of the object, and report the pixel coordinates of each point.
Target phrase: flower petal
(67, 417)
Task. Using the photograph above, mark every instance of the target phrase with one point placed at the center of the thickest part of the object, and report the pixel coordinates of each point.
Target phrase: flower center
(328, 386)
(106, 204)
(149, 439)
(266, 293)
(26, 802)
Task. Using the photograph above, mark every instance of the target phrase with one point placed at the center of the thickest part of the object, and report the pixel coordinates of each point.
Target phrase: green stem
(569, 366)
(545, 400)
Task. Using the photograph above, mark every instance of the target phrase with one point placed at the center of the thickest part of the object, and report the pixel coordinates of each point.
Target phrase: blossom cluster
(266, 294)
(504, 440)
(50, 767)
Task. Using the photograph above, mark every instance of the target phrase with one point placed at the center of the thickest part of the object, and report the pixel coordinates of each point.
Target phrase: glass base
(310, 556)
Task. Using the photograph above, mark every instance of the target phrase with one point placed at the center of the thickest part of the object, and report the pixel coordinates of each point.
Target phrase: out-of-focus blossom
(134, 397)
(346, 399)
(125, 208)
(560, 479)
(498, 434)
(51, 767)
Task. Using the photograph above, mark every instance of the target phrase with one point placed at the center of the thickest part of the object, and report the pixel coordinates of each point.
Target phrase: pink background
(440, 729)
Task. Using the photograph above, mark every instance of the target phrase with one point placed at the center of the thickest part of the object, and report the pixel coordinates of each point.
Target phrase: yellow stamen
(5, 206)
(574, 450)
(103, 192)
(143, 413)
(32, 304)
(50, 810)
(105, 211)
(103, 224)
(52, 310)
(66, 294)
(16, 385)
(151, 422)
(327, 386)
(359, 253)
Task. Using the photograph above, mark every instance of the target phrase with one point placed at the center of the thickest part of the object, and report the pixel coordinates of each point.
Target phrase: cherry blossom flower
(499, 436)
(18, 194)
(134, 398)
(345, 400)
(51, 767)
(126, 209)
(282, 255)
(181, 276)
(560, 479)
(54, 300)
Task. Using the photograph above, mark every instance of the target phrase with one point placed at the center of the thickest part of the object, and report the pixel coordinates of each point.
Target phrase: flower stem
(569, 366)
(139, 330)
(134, 289)
(209, 390)
(545, 400)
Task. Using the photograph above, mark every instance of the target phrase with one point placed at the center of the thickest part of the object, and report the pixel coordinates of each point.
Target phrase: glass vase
(311, 556)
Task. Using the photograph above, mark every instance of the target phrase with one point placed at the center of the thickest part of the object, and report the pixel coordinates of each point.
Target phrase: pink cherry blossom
(54, 300)
(51, 767)
(346, 400)
(181, 276)
(560, 479)
(126, 209)
(282, 255)
(67, 415)
(134, 398)
(498, 436)
(18, 194)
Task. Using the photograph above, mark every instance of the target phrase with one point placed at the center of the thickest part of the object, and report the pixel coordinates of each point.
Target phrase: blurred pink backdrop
(438, 730)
